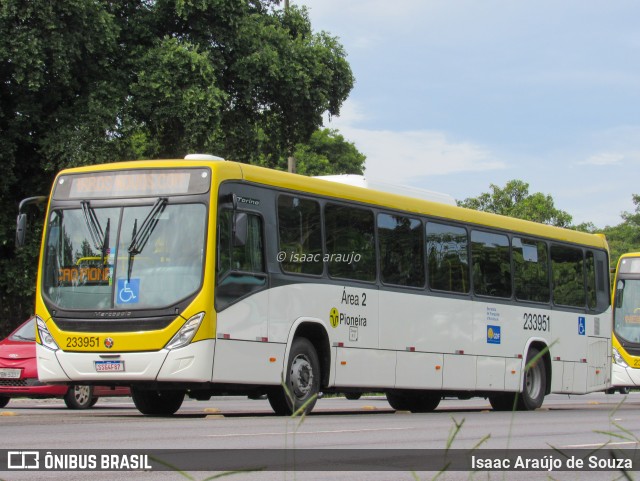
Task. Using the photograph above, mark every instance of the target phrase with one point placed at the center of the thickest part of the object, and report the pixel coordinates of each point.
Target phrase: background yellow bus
(626, 322)
(219, 277)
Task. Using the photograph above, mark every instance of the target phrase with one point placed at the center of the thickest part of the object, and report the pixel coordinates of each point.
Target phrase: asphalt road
(563, 423)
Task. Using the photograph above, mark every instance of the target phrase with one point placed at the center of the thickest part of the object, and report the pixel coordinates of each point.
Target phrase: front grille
(13, 383)
(115, 325)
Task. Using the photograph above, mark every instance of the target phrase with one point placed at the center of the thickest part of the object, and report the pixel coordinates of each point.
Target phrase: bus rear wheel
(417, 402)
(535, 382)
(353, 396)
(302, 380)
(157, 403)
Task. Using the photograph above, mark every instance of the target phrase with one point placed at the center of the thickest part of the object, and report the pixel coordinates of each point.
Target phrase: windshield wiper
(99, 237)
(139, 238)
(105, 242)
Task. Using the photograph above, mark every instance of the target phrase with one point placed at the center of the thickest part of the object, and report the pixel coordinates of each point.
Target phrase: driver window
(240, 266)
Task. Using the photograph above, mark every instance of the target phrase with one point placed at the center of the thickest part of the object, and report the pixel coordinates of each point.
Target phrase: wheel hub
(301, 377)
(82, 394)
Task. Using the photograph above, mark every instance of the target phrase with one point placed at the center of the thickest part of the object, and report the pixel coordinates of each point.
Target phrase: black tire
(416, 402)
(79, 397)
(302, 381)
(503, 401)
(535, 383)
(157, 403)
(624, 390)
(353, 396)
(4, 401)
(94, 401)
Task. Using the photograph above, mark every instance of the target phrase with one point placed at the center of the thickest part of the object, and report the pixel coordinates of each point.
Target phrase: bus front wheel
(503, 401)
(157, 403)
(302, 380)
(535, 382)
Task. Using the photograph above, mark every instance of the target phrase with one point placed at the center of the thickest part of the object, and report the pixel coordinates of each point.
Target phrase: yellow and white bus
(626, 323)
(210, 277)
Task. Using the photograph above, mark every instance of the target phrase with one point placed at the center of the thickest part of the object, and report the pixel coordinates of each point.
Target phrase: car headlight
(46, 339)
(617, 358)
(186, 332)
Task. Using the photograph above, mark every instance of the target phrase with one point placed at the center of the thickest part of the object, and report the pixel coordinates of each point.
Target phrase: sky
(456, 95)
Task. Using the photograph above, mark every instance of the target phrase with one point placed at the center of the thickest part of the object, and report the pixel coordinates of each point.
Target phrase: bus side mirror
(240, 228)
(21, 222)
(619, 294)
(21, 230)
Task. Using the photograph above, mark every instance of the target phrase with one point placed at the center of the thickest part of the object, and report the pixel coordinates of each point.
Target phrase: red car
(19, 374)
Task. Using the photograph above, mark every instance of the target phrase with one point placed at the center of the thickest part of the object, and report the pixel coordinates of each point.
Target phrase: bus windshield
(124, 257)
(627, 310)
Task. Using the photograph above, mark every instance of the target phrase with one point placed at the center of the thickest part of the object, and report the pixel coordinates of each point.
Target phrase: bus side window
(531, 270)
(401, 247)
(567, 269)
(590, 271)
(448, 260)
(300, 235)
(350, 242)
(491, 264)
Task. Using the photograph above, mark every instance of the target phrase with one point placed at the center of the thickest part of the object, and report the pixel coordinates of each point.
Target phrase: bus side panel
(365, 368)
(354, 310)
(427, 323)
(459, 372)
(580, 375)
(568, 377)
(418, 370)
(246, 319)
(513, 374)
(246, 362)
(599, 356)
(490, 373)
(558, 377)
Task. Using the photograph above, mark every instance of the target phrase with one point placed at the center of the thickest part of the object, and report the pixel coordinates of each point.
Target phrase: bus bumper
(625, 377)
(192, 363)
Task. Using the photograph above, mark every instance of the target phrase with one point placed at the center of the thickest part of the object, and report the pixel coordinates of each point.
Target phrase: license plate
(109, 366)
(7, 373)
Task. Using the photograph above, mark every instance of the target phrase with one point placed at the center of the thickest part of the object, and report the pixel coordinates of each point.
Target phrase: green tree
(514, 200)
(87, 82)
(326, 152)
(624, 237)
(57, 94)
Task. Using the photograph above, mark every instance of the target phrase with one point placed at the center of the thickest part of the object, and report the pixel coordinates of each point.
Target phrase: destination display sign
(132, 183)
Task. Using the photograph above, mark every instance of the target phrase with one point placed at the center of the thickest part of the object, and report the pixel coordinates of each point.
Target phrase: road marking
(601, 445)
(297, 433)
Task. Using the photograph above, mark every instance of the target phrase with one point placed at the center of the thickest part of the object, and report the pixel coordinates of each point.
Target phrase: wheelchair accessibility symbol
(582, 328)
(128, 291)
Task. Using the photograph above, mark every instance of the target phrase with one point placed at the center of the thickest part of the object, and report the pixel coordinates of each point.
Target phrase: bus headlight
(46, 339)
(186, 332)
(617, 358)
